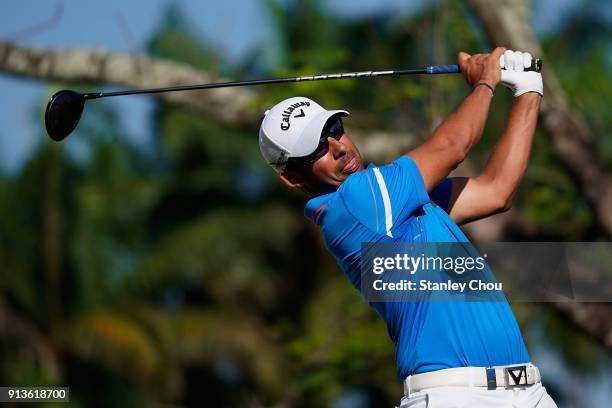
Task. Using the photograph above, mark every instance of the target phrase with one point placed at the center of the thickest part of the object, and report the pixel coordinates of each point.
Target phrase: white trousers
(530, 396)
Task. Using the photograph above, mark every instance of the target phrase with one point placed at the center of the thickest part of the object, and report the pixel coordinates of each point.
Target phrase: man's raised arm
(493, 189)
(460, 132)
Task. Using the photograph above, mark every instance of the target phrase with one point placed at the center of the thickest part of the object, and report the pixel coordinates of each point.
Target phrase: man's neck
(320, 190)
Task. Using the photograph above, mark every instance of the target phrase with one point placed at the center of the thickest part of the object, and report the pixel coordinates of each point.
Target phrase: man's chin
(340, 178)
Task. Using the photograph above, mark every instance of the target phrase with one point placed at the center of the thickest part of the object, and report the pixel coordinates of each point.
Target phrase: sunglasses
(333, 129)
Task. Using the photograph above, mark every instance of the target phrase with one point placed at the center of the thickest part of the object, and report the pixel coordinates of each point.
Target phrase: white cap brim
(309, 139)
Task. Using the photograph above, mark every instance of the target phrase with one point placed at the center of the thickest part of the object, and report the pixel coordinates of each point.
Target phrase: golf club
(65, 107)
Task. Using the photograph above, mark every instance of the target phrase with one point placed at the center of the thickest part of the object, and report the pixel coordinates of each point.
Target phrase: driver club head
(63, 112)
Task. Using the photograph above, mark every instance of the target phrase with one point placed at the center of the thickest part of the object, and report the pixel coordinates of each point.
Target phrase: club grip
(536, 65)
(443, 69)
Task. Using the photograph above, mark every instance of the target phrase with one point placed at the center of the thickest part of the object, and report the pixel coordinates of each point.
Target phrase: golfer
(449, 354)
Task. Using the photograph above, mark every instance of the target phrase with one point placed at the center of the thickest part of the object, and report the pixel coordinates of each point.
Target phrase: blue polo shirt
(390, 204)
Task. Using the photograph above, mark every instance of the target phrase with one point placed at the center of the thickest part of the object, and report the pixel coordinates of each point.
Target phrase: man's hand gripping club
(459, 133)
(514, 76)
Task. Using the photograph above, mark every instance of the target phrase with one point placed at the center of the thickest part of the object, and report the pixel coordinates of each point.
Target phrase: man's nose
(338, 149)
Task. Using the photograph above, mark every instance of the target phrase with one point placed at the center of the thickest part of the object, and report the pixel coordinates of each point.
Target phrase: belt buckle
(515, 376)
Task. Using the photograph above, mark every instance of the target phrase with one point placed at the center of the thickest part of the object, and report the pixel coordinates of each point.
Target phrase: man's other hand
(514, 76)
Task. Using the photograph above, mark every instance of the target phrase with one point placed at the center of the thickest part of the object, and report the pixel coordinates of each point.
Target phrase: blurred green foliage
(186, 272)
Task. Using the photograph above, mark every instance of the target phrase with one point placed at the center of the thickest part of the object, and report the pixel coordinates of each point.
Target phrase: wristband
(487, 85)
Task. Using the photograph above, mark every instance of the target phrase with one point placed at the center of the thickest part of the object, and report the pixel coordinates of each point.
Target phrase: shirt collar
(315, 204)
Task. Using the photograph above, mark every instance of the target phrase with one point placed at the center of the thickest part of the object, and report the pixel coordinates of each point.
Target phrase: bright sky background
(235, 26)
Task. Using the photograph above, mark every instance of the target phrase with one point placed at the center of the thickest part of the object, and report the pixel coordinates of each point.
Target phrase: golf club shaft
(435, 69)
(432, 69)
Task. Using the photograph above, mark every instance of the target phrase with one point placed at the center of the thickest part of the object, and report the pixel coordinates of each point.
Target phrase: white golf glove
(514, 76)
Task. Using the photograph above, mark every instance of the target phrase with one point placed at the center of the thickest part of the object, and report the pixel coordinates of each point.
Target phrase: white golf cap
(292, 128)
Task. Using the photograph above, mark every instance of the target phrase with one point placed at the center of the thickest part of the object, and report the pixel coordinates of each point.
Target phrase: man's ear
(291, 179)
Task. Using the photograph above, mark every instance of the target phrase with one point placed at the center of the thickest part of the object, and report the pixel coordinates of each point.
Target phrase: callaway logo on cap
(286, 121)
(292, 128)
